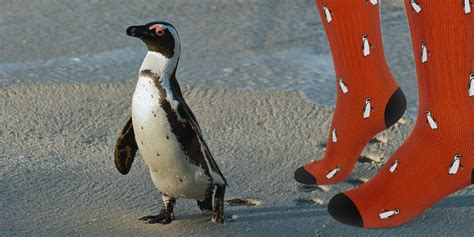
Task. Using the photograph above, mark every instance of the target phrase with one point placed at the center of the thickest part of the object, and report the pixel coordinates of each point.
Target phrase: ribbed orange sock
(438, 157)
(368, 98)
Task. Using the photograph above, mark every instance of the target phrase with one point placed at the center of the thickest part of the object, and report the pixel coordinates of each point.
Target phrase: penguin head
(423, 44)
(364, 37)
(161, 37)
(471, 77)
(457, 156)
(368, 100)
(428, 112)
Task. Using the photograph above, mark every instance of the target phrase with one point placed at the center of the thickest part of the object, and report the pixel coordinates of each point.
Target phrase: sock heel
(396, 107)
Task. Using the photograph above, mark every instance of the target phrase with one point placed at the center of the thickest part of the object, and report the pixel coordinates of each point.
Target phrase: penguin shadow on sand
(248, 210)
(276, 213)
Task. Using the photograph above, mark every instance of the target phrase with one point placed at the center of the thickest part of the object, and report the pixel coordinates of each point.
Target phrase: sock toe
(342, 209)
(304, 177)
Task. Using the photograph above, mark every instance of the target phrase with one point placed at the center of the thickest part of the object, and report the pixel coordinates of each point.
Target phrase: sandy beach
(259, 78)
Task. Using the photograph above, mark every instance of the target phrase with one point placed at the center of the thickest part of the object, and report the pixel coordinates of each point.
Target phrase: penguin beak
(136, 31)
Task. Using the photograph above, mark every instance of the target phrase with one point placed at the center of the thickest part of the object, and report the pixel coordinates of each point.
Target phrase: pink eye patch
(158, 29)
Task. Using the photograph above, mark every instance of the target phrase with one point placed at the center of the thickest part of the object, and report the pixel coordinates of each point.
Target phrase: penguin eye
(158, 29)
(160, 32)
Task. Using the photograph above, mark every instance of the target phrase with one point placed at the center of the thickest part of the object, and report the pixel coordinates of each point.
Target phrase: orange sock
(368, 98)
(438, 157)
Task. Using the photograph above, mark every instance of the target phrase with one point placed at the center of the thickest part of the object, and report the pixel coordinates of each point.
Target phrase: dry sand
(58, 176)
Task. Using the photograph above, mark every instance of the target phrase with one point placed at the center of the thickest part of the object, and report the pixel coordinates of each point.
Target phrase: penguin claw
(217, 218)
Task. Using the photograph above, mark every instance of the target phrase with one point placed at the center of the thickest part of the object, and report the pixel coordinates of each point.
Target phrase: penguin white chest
(170, 168)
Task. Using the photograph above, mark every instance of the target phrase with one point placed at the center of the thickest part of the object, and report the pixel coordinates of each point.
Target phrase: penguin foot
(165, 217)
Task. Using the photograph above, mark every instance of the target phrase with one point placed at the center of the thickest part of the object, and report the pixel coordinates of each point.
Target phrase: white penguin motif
(430, 120)
(343, 86)
(333, 172)
(367, 108)
(424, 53)
(327, 13)
(374, 2)
(388, 213)
(394, 166)
(334, 135)
(415, 6)
(467, 6)
(365, 46)
(455, 165)
(471, 85)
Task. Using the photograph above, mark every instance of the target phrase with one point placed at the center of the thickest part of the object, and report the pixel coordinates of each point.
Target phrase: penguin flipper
(186, 113)
(125, 149)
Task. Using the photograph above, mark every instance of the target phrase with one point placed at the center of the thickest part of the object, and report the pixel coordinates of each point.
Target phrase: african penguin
(367, 108)
(343, 86)
(365, 46)
(334, 135)
(333, 172)
(431, 121)
(471, 85)
(327, 13)
(163, 128)
(467, 6)
(424, 53)
(455, 165)
(415, 6)
(388, 213)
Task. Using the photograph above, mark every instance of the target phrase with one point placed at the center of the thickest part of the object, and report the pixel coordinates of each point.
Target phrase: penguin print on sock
(388, 213)
(327, 13)
(367, 108)
(470, 86)
(334, 135)
(415, 6)
(424, 52)
(366, 45)
(373, 2)
(455, 165)
(331, 174)
(431, 121)
(467, 6)
(343, 86)
(394, 166)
